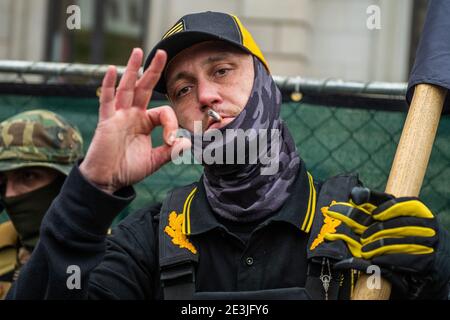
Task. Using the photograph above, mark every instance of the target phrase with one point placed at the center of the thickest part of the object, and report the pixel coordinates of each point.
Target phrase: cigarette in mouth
(214, 115)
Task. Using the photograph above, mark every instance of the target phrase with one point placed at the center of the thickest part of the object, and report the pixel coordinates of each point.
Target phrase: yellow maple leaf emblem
(175, 231)
(329, 226)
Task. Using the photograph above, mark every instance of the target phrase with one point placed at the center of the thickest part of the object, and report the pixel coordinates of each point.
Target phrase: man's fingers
(180, 145)
(107, 93)
(164, 116)
(163, 154)
(160, 156)
(145, 85)
(125, 91)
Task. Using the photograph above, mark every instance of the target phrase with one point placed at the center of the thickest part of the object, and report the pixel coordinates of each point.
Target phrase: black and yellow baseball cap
(204, 26)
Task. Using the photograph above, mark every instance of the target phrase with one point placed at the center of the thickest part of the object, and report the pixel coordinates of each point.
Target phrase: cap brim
(177, 43)
(7, 165)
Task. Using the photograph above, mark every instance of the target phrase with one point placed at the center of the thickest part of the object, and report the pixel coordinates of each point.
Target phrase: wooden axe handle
(410, 163)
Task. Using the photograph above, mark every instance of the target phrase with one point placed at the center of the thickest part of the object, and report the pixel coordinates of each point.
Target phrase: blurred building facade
(310, 38)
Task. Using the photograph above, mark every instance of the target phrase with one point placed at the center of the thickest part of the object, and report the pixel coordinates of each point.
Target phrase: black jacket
(125, 265)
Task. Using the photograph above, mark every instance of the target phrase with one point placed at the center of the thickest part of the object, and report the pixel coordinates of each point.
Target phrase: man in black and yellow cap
(256, 225)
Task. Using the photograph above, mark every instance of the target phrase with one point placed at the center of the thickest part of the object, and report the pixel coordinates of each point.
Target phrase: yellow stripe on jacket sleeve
(186, 212)
(309, 216)
(313, 204)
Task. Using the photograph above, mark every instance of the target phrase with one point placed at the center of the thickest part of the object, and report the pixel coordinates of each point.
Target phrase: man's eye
(29, 175)
(182, 91)
(222, 72)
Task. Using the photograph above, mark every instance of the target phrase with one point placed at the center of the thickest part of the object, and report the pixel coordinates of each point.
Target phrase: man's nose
(10, 190)
(208, 94)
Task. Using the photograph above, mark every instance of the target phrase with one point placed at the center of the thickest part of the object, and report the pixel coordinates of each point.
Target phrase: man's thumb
(180, 146)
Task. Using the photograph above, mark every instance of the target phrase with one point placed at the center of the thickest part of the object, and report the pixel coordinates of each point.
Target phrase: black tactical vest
(178, 265)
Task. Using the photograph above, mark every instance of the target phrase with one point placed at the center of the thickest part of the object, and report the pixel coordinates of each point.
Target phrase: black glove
(397, 234)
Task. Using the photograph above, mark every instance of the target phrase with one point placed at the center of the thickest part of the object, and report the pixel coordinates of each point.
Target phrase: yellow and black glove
(397, 234)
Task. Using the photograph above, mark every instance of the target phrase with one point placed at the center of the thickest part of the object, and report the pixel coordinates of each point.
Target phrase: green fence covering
(331, 140)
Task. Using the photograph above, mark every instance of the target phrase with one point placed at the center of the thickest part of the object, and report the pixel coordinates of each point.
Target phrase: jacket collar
(298, 209)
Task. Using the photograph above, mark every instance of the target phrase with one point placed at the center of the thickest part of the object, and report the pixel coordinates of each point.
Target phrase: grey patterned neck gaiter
(257, 182)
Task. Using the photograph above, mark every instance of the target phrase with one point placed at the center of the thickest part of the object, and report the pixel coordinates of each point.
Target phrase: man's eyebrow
(216, 58)
(181, 75)
(209, 60)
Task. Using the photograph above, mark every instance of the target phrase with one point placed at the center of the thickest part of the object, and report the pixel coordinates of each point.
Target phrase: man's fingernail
(172, 138)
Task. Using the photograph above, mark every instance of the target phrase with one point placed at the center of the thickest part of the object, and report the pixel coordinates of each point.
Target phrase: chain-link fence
(338, 127)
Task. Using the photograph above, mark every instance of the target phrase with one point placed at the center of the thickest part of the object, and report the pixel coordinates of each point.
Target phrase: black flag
(432, 64)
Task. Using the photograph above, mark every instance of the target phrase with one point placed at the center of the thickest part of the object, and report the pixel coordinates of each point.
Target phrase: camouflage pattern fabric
(39, 138)
(8, 256)
(239, 192)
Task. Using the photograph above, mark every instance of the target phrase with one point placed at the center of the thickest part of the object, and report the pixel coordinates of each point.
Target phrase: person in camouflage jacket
(37, 150)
